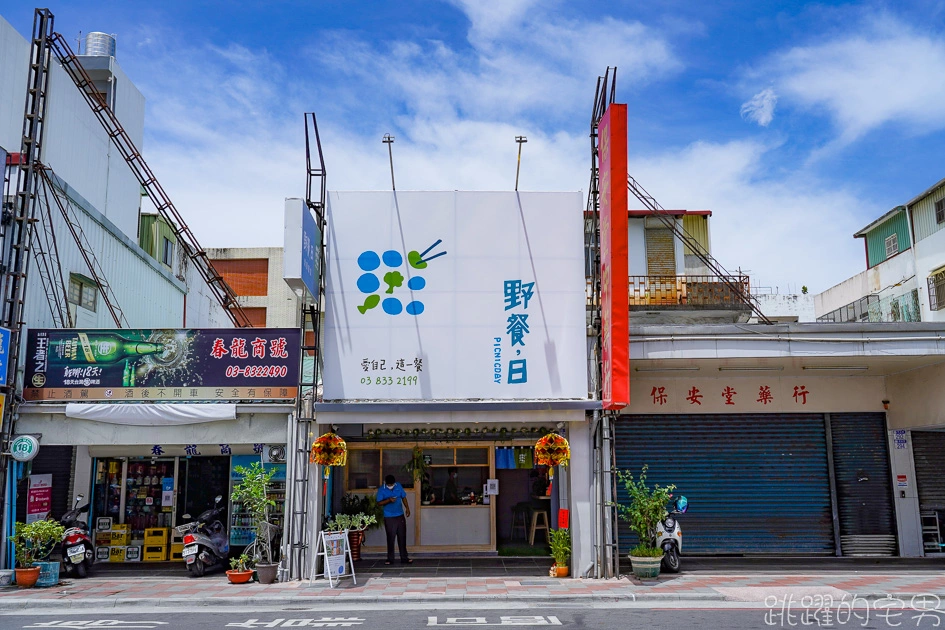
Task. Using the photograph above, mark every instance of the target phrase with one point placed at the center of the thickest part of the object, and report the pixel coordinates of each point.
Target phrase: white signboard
(455, 295)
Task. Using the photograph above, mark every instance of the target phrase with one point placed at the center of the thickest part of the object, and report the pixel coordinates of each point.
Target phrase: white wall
(75, 145)
(930, 257)
(14, 58)
(893, 277)
(784, 305)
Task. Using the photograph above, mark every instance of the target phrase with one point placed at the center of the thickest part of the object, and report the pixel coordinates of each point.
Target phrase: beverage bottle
(98, 347)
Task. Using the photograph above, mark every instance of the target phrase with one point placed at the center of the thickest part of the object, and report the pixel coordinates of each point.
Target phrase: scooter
(205, 541)
(78, 552)
(669, 536)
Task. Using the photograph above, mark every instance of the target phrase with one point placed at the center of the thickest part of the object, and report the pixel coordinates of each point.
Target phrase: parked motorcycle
(669, 536)
(78, 552)
(206, 543)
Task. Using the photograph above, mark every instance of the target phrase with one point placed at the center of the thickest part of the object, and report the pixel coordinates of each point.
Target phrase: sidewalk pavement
(213, 590)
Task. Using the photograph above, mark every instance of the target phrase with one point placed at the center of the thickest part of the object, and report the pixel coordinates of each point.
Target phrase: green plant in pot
(240, 570)
(33, 543)
(646, 508)
(355, 525)
(252, 491)
(560, 542)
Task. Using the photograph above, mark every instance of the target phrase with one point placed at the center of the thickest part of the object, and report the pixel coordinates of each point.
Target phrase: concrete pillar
(905, 497)
(580, 500)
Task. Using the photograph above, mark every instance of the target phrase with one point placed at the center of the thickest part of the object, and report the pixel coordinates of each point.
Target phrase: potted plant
(417, 467)
(252, 491)
(560, 541)
(647, 507)
(364, 513)
(240, 571)
(355, 525)
(33, 543)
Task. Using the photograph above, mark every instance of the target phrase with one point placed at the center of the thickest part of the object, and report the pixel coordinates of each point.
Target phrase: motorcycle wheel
(196, 568)
(671, 560)
(81, 570)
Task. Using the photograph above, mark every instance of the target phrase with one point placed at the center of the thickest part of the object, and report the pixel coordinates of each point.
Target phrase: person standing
(392, 496)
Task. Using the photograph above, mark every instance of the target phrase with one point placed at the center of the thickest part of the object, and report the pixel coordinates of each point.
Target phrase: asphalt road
(597, 617)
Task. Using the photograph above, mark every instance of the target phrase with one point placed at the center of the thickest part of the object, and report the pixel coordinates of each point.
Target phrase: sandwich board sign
(333, 549)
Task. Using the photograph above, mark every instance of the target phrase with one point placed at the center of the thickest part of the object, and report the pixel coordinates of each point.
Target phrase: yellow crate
(103, 539)
(121, 527)
(154, 553)
(116, 554)
(121, 539)
(177, 551)
(155, 536)
(133, 554)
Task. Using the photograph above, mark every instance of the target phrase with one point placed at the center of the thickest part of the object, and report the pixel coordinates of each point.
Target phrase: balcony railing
(685, 291)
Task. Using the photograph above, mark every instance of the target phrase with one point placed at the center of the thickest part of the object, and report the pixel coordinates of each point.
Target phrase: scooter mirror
(186, 516)
(218, 499)
(682, 504)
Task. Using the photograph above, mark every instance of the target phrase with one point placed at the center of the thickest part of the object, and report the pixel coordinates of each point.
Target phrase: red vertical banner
(614, 272)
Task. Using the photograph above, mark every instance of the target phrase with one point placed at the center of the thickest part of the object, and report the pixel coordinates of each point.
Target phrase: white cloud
(886, 72)
(225, 137)
(760, 108)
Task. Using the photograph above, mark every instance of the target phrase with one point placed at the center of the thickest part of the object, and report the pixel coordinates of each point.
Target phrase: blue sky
(795, 123)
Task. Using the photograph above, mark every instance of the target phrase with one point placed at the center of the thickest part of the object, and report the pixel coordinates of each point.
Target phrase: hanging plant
(329, 450)
(552, 450)
(416, 431)
(467, 431)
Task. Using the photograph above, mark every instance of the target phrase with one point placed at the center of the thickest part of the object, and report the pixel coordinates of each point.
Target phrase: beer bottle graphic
(99, 348)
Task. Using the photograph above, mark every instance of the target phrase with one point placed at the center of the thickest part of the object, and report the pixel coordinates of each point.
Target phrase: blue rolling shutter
(756, 483)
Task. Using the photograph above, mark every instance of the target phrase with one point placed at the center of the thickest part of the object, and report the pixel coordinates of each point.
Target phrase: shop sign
(4, 354)
(614, 263)
(901, 441)
(455, 296)
(24, 447)
(902, 481)
(213, 364)
(302, 249)
(39, 498)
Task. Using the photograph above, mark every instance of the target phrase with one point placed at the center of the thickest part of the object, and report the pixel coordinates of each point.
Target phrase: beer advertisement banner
(161, 365)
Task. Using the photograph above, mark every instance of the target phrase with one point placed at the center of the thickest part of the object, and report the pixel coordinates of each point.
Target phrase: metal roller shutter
(928, 449)
(660, 252)
(57, 461)
(756, 483)
(864, 484)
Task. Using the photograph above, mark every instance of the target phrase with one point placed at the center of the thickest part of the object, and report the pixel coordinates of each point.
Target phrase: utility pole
(520, 140)
(389, 140)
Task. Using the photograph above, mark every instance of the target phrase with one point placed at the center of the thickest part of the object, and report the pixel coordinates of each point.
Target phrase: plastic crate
(116, 554)
(154, 553)
(121, 539)
(102, 554)
(121, 527)
(177, 551)
(155, 536)
(48, 573)
(103, 539)
(133, 554)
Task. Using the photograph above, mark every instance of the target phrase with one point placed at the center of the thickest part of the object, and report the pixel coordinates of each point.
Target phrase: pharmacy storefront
(157, 421)
(455, 338)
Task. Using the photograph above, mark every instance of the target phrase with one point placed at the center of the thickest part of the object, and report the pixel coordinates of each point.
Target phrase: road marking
(82, 624)
(507, 620)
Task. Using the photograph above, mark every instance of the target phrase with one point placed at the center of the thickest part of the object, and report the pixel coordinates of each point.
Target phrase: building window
(892, 245)
(937, 291)
(82, 291)
(167, 251)
(940, 211)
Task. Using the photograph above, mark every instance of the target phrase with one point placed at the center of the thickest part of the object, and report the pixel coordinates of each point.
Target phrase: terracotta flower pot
(239, 577)
(26, 578)
(355, 539)
(562, 570)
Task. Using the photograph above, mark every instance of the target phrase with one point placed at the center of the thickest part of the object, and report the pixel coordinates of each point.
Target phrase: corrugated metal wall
(660, 252)
(697, 226)
(923, 215)
(876, 239)
(756, 483)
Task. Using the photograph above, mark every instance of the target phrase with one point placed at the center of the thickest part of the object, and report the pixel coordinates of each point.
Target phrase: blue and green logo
(374, 274)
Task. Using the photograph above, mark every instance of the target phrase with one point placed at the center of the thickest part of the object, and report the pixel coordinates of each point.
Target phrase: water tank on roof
(100, 45)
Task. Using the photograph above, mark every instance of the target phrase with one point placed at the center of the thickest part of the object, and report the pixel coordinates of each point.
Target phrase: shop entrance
(523, 506)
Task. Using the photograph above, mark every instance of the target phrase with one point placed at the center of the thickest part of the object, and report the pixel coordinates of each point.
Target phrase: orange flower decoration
(329, 450)
(552, 450)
